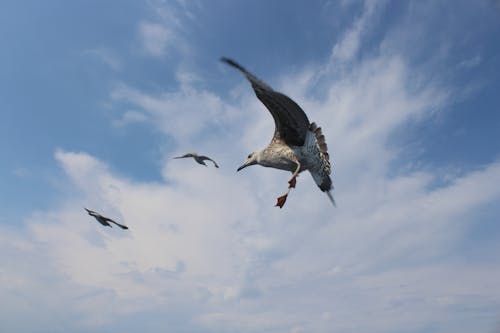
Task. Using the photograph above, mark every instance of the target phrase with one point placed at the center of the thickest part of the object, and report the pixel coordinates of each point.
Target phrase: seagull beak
(247, 163)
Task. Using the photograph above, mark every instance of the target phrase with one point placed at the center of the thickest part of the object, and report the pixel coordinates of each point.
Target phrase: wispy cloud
(107, 56)
(471, 62)
(130, 117)
(209, 252)
(347, 48)
(155, 38)
(182, 114)
(249, 267)
(164, 34)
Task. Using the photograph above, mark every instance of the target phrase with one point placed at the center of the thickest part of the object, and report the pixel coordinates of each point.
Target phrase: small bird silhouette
(104, 220)
(198, 158)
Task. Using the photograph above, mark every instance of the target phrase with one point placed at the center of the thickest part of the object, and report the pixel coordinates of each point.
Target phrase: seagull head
(252, 159)
(91, 212)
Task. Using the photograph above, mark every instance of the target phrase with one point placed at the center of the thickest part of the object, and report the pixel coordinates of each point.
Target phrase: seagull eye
(249, 156)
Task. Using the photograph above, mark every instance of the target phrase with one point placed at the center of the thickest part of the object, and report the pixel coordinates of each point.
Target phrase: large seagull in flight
(297, 144)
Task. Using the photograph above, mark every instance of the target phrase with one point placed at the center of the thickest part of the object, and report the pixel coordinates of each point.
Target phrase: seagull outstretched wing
(206, 158)
(290, 120)
(118, 224)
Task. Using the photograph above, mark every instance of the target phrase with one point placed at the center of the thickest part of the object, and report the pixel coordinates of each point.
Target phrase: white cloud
(167, 32)
(156, 38)
(183, 114)
(209, 252)
(210, 241)
(130, 116)
(348, 46)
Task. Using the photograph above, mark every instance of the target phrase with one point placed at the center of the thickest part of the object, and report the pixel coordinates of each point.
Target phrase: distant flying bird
(297, 145)
(198, 158)
(104, 220)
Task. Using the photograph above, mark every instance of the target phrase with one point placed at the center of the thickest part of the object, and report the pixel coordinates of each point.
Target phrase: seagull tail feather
(330, 196)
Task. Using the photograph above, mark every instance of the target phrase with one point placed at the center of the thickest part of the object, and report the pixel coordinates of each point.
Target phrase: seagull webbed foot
(281, 201)
(292, 182)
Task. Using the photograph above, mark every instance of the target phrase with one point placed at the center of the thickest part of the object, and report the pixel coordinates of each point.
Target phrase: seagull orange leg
(291, 184)
(293, 181)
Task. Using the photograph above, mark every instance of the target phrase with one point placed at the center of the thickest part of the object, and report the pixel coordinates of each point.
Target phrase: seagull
(104, 220)
(199, 158)
(297, 144)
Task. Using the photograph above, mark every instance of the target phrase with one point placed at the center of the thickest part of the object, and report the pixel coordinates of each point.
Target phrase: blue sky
(97, 97)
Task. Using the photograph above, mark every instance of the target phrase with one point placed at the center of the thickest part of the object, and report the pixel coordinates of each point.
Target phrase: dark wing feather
(290, 120)
(118, 224)
(209, 159)
(121, 226)
(102, 220)
(215, 163)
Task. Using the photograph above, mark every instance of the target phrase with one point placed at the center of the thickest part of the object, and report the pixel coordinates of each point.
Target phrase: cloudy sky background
(96, 97)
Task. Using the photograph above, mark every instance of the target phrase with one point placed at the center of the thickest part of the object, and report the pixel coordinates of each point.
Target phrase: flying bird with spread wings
(297, 144)
(198, 158)
(104, 220)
